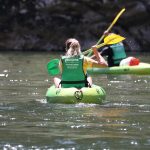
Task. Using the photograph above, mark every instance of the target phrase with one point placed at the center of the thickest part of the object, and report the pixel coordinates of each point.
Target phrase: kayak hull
(95, 95)
(141, 69)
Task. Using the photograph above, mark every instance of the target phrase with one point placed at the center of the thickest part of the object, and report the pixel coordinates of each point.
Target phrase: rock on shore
(46, 24)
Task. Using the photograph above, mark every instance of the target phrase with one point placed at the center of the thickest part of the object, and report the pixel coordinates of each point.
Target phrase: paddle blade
(113, 39)
(53, 67)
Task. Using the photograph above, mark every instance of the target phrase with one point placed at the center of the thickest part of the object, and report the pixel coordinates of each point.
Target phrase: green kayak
(141, 69)
(95, 95)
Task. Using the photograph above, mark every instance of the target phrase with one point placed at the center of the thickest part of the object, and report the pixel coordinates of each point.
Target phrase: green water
(28, 122)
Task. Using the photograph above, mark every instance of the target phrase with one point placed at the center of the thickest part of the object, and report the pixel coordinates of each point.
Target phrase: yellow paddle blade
(110, 39)
(113, 39)
(108, 29)
(53, 67)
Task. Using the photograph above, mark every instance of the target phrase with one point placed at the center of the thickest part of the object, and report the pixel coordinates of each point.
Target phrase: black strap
(73, 82)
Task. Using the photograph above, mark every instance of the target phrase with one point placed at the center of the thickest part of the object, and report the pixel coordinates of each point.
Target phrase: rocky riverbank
(46, 24)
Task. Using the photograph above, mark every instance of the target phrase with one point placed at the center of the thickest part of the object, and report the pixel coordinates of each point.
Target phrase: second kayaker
(116, 54)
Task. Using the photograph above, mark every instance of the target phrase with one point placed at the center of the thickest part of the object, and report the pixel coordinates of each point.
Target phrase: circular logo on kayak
(58, 91)
(98, 92)
(78, 95)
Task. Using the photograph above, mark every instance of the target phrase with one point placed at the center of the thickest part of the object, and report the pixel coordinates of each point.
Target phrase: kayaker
(74, 66)
(115, 53)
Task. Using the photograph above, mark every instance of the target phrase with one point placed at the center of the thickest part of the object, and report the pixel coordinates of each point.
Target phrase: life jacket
(72, 72)
(118, 52)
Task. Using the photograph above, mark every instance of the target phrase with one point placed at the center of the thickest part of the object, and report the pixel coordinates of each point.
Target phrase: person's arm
(103, 52)
(99, 58)
(60, 66)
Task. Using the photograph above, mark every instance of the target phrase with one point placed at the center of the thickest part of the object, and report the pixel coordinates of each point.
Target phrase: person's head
(72, 47)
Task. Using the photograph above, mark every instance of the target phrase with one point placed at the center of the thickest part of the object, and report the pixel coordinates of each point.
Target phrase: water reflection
(27, 121)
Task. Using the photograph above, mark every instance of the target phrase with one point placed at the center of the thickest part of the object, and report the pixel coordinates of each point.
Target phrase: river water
(28, 122)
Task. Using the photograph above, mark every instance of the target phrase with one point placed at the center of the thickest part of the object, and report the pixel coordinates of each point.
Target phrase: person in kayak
(115, 53)
(73, 66)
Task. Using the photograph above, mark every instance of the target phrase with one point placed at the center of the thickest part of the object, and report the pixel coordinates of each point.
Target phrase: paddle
(109, 28)
(112, 24)
(110, 39)
(53, 65)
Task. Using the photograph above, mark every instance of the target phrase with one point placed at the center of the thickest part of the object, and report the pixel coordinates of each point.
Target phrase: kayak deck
(95, 95)
(141, 69)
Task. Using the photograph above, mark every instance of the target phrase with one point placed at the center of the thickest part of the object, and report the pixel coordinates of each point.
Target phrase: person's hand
(106, 33)
(94, 47)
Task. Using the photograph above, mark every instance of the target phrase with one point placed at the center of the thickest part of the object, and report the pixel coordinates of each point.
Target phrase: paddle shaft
(108, 29)
(110, 40)
(112, 24)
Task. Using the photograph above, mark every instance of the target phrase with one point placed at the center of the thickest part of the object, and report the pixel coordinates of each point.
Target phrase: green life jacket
(72, 72)
(118, 52)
